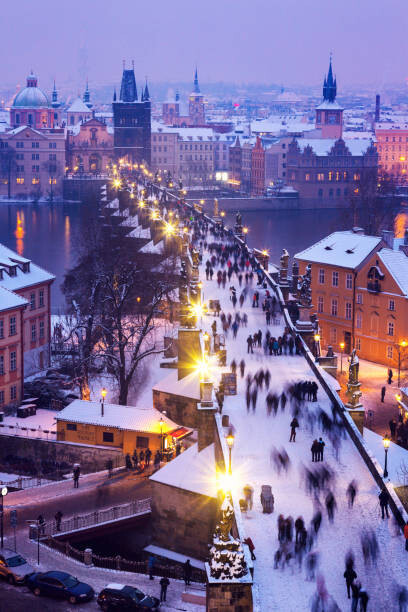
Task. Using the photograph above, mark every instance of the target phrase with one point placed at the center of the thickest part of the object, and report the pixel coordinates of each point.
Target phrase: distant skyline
(262, 41)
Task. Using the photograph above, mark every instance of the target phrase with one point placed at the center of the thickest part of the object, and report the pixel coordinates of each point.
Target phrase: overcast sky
(270, 41)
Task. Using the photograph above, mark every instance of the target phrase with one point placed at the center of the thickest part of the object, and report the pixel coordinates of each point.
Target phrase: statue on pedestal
(238, 219)
(353, 386)
(227, 558)
(304, 287)
(353, 368)
(284, 264)
(216, 208)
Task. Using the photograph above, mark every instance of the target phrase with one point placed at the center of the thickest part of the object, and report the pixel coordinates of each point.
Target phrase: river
(48, 233)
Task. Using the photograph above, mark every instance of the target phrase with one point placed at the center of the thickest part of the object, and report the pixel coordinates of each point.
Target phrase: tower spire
(330, 84)
(87, 95)
(146, 94)
(196, 85)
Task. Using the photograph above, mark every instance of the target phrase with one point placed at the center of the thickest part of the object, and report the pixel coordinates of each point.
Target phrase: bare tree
(373, 202)
(7, 166)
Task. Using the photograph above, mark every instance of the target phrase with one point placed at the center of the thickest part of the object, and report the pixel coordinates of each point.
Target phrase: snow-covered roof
(327, 105)
(344, 249)
(9, 300)
(140, 232)
(189, 386)
(150, 247)
(32, 276)
(279, 125)
(396, 263)
(192, 470)
(323, 146)
(133, 418)
(78, 106)
(184, 133)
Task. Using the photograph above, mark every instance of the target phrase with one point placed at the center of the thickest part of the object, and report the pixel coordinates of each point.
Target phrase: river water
(49, 233)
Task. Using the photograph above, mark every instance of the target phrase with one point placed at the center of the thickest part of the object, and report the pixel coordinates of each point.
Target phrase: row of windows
(196, 147)
(108, 436)
(335, 278)
(12, 362)
(334, 310)
(12, 327)
(191, 157)
(41, 331)
(13, 395)
(33, 300)
(34, 144)
(392, 139)
(389, 351)
(20, 180)
(331, 176)
(36, 156)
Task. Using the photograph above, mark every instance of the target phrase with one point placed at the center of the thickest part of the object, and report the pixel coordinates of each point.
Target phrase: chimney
(377, 107)
(388, 237)
(358, 230)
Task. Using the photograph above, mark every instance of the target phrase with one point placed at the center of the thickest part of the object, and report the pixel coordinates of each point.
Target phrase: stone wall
(38, 451)
(229, 597)
(182, 521)
(181, 410)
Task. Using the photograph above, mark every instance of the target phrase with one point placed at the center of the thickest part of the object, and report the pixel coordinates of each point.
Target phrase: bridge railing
(97, 517)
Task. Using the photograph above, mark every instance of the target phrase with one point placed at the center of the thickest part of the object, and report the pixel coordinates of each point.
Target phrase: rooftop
(189, 386)
(396, 263)
(345, 249)
(78, 106)
(19, 272)
(133, 418)
(323, 146)
(9, 300)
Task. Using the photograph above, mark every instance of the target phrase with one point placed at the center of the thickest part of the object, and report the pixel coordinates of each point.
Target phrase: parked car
(121, 597)
(13, 567)
(61, 586)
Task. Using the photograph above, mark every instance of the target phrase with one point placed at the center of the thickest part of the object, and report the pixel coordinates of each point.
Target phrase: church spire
(330, 85)
(196, 85)
(146, 94)
(54, 94)
(87, 95)
(128, 90)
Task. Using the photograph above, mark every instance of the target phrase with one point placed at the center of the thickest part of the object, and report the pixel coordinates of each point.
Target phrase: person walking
(390, 375)
(350, 575)
(406, 535)
(250, 343)
(355, 592)
(330, 506)
(58, 518)
(299, 525)
(320, 449)
(251, 547)
(76, 473)
(351, 493)
(315, 450)
(150, 566)
(242, 368)
(382, 394)
(128, 462)
(363, 596)
(164, 583)
(293, 426)
(393, 427)
(187, 572)
(384, 500)
(148, 456)
(41, 524)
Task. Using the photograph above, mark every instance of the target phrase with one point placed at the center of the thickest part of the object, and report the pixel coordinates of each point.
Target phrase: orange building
(360, 293)
(11, 347)
(392, 147)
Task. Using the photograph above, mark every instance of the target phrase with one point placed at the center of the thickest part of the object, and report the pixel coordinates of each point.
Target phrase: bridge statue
(304, 287)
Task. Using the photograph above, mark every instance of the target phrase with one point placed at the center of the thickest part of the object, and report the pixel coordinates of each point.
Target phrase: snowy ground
(255, 434)
(397, 462)
(35, 425)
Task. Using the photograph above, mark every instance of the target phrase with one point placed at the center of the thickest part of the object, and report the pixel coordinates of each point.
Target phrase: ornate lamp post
(317, 345)
(341, 357)
(230, 441)
(161, 423)
(245, 230)
(3, 492)
(386, 442)
(103, 394)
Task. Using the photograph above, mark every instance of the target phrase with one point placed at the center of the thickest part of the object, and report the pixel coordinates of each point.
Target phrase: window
(333, 335)
(390, 352)
(390, 328)
(35, 145)
(321, 276)
(13, 326)
(33, 332)
(35, 169)
(142, 442)
(359, 320)
(320, 176)
(35, 156)
(20, 169)
(335, 279)
(20, 156)
(20, 181)
(71, 427)
(42, 330)
(330, 176)
(349, 281)
(1, 364)
(13, 361)
(391, 305)
(32, 301)
(107, 436)
(1, 398)
(358, 344)
(307, 176)
(348, 310)
(320, 303)
(52, 145)
(13, 393)
(359, 298)
(334, 307)
(20, 145)
(1, 328)
(320, 193)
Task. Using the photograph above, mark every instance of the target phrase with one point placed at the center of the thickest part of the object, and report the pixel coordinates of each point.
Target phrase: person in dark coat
(363, 597)
(299, 525)
(384, 499)
(148, 456)
(135, 459)
(351, 493)
(350, 575)
(355, 592)
(187, 572)
(76, 474)
(382, 394)
(41, 524)
(250, 344)
(164, 583)
(321, 449)
(390, 375)
(393, 427)
(293, 426)
(150, 566)
(251, 547)
(58, 519)
(315, 450)
(128, 462)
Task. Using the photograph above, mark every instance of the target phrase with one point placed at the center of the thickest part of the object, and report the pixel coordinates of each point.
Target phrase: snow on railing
(28, 432)
(82, 521)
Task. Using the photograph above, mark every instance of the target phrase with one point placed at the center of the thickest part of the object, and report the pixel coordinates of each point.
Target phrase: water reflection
(20, 233)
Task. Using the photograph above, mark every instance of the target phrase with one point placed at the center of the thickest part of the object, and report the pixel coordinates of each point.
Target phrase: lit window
(307, 176)
(320, 176)
(20, 180)
(330, 176)
(35, 180)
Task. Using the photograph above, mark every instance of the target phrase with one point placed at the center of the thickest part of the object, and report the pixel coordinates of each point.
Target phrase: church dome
(31, 96)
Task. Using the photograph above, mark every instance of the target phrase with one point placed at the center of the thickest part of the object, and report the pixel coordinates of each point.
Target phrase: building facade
(258, 169)
(27, 280)
(392, 147)
(11, 348)
(78, 112)
(32, 162)
(89, 147)
(196, 109)
(132, 121)
(32, 107)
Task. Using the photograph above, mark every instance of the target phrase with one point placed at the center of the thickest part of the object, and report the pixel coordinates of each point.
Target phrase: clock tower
(329, 114)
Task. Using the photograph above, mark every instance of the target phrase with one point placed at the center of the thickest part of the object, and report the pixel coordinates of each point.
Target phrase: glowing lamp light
(398, 397)
(245, 230)
(222, 213)
(169, 229)
(103, 393)
(185, 230)
(403, 343)
(265, 253)
(117, 183)
(230, 440)
(141, 204)
(342, 345)
(184, 192)
(132, 195)
(4, 491)
(206, 337)
(386, 441)
(317, 337)
(202, 201)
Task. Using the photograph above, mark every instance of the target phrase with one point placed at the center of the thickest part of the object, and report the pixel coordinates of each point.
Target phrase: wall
(182, 521)
(9, 344)
(229, 597)
(91, 458)
(181, 410)
(37, 351)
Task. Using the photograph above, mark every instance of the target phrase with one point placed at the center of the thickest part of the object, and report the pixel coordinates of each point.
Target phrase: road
(16, 599)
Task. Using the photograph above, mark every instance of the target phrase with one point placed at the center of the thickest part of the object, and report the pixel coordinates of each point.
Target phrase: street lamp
(341, 357)
(317, 345)
(103, 393)
(4, 492)
(161, 423)
(245, 230)
(402, 344)
(386, 442)
(230, 442)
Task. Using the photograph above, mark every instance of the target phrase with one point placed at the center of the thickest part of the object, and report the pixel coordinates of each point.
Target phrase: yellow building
(111, 425)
